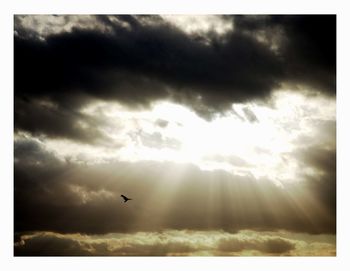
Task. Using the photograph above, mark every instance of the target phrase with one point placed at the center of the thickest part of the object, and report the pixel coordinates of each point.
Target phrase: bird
(125, 198)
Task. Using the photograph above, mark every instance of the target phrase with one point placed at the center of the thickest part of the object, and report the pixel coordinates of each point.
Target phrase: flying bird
(125, 198)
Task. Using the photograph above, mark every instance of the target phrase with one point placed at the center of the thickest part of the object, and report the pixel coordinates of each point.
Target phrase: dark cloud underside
(147, 62)
(308, 46)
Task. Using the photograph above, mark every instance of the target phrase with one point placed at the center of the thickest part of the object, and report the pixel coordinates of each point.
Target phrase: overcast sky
(222, 129)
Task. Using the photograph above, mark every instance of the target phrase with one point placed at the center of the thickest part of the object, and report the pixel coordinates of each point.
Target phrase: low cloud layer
(171, 243)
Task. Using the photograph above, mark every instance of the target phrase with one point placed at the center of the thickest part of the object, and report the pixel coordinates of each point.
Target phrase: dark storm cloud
(306, 43)
(235, 65)
(141, 64)
(52, 195)
(311, 51)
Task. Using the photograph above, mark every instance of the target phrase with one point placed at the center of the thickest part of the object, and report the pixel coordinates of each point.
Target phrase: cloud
(56, 195)
(250, 115)
(156, 140)
(161, 123)
(150, 61)
(174, 243)
(31, 152)
(306, 44)
(322, 177)
(139, 244)
(265, 245)
(49, 244)
(48, 119)
(77, 80)
(41, 26)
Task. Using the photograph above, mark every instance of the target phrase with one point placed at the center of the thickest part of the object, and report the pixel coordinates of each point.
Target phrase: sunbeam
(220, 129)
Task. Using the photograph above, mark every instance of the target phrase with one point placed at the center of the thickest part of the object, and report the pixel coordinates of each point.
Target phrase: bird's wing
(123, 197)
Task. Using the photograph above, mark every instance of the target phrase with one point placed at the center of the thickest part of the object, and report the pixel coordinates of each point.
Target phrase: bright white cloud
(200, 24)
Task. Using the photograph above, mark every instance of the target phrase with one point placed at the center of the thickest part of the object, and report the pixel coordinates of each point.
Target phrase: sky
(222, 130)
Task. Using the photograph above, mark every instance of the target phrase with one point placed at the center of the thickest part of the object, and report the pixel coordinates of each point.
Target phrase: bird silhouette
(125, 198)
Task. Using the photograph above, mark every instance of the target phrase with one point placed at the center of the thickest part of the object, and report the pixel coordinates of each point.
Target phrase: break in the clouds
(220, 128)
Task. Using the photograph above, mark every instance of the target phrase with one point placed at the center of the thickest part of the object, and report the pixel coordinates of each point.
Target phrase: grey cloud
(322, 185)
(48, 244)
(249, 114)
(273, 245)
(32, 152)
(323, 130)
(157, 249)
(322, 159)
(157, 140)
(161, 123)
(45, 118)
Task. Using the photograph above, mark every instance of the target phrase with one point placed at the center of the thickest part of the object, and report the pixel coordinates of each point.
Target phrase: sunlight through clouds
(231, 142)
(220, 129)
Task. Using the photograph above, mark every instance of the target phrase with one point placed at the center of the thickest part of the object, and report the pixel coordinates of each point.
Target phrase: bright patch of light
(200, 24)
(233, 143)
